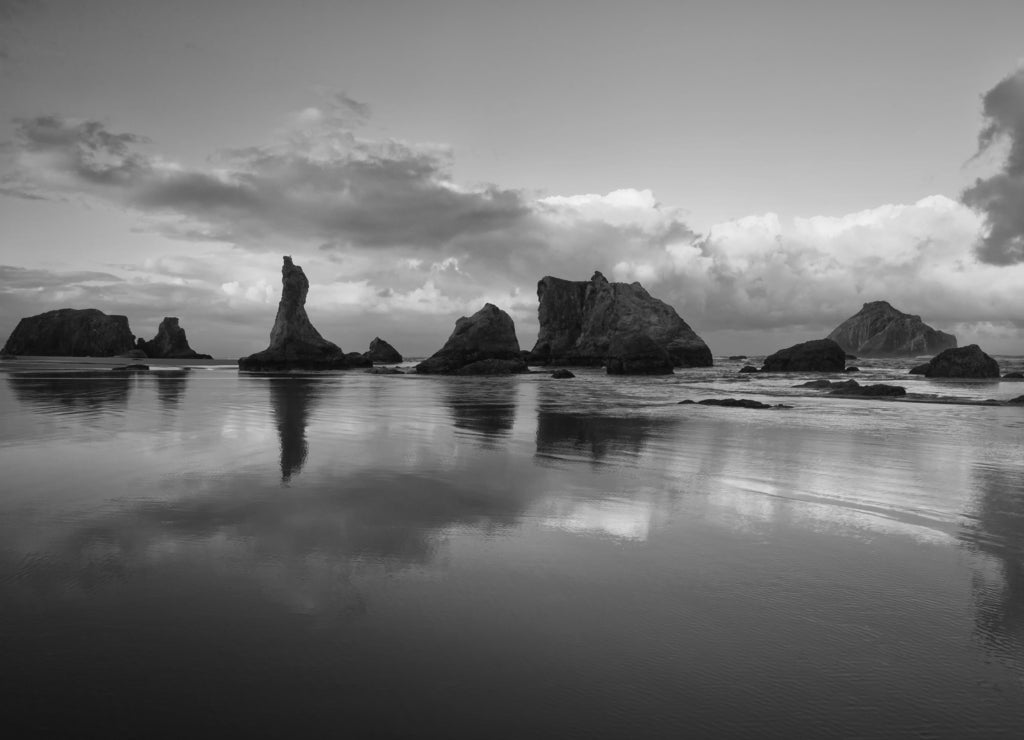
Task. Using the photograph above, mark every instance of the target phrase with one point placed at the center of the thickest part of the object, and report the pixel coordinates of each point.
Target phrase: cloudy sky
(765, 167)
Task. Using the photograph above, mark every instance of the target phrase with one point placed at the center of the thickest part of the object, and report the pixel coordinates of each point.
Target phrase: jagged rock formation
(579, 320)
(637, 354)
(70, 332)
(879, 330)
(170, 342)
(818, 355)
(294, 343)
(959, 362)
(381, 351)
(482, 344)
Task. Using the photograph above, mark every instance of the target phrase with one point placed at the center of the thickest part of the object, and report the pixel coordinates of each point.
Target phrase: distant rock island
(294, 343)
(879, 330)
(170, 342)
(579, 320)
(70, 332)
(381, 351)
(482, 344)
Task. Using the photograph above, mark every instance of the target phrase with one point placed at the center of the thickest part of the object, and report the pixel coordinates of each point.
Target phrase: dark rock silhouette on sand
(879, 330)
(482, 344)
(959, 362)
(294, 343)
(580, 319)
(381, 351)
(818, 355)
(70, 332)
(170, 342)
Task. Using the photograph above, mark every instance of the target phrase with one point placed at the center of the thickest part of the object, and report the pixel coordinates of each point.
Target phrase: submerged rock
(170, 342)
(1013, 376)
(482, 344)
(818, 355)
(383, 371)
(852, 369)
(879, 389)
(562, 374)
(294, 343)
(381, 351)
(962, 362)
(822, 383)
(133, 368)
(749, 369)
(579, 320)
(737, 357)
(745, 403)
(637, 354)
(879, 330)
(70, 332)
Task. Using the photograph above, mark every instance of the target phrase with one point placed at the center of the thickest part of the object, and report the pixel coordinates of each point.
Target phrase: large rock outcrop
(879, 330)
(381, 351)
(637, 354)
(818, 355)
(482, 344)
(294, 343)
(170, 342)
(580, 319)
(70, 332)
(960, 362)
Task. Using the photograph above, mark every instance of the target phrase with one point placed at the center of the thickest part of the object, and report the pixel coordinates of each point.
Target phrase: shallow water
(198, 552)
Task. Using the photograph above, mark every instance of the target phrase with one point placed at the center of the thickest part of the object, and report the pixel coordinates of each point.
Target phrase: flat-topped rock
(818, 355)
(294, 343)
(70, 332)
(579, 320)
(170, 342)
(482, 344)
(879, 330)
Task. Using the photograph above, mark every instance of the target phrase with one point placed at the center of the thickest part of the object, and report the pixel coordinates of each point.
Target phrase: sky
(764, 167)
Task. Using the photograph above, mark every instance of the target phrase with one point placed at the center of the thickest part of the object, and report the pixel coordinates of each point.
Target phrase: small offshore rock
(737, 357)
(133, 368)
(381, 351)
(484, 343)
(879, 389)
(563, 373)
(852, 369)
(1013, 376)
(743, 403)
(749, 369)
(962, 362)
(383, 371)
(822, 383)
(817, 355)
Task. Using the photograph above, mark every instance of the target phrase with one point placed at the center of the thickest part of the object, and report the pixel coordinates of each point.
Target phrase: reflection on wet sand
(595, 436)
(170, 387)
(292, 399)
(488, 409)
(88, 393)
(997, 529)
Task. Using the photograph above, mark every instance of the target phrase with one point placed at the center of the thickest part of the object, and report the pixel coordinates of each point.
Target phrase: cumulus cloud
(1001, 197)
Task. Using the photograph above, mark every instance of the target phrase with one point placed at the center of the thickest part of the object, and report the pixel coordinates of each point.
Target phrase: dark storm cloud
(1001, 197)
(86, 150)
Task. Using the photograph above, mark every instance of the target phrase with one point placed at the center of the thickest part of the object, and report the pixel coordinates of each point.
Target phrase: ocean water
(200, 553)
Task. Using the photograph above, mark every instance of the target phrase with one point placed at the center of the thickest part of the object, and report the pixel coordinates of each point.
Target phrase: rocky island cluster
(619, 326)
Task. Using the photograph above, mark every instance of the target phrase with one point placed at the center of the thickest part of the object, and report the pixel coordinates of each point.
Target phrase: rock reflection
(998, 531)
(596, 436)
(170, 387)
(293, 399)
(486, 408)
(87, 393)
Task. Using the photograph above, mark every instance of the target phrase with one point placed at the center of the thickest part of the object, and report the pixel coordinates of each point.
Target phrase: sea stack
(170, 342)
(70, 332)
(818, 355)
(580, 319)
(381, 351)
(482, 344)
(879, 330)
(294, 343)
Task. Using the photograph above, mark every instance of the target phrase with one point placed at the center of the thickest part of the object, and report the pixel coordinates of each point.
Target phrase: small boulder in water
(562, 373)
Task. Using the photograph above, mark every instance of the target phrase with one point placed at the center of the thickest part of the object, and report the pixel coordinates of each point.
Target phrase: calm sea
(204, 553)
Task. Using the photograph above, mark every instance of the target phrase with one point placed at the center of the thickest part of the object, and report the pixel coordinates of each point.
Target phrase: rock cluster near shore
(70, 332)
(482, 344)
(879, 330)
(170, 342)
(294, 342)
(584, 322)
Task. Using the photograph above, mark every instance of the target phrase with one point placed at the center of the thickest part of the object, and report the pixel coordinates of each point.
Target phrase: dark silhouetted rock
(818, 355)
(822, 383)
(852, 369)
(170, 343)
(743, 403)
(562, 373)
(637, 354)
(1018, 399)
(879, 330)
(919, 369)
(879, 389)
(484, 343)
(134, 368)
(962, 362)
(5, 355)
(580, 319)
(72, 332)
(294, 343)
(383, 371)
(737, 357)
(381, 351)
(1013, 376)
(749, 369)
